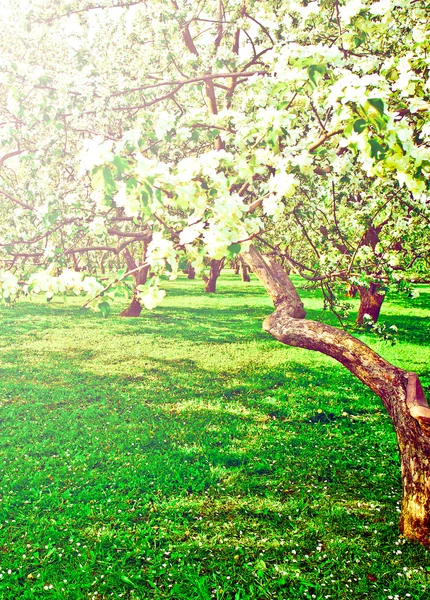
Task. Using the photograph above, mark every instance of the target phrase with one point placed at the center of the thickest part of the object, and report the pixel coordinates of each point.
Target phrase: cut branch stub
(417, 403)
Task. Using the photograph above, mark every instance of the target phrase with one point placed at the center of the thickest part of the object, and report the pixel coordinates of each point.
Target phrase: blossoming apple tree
(367, 240)
(197, 129)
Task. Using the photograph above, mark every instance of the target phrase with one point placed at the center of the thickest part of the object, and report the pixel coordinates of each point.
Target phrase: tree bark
(370, 303)
(76, 266)
(139, 278)
(244, 270)
(277, 283)
(214, 273)
(400, 391)
(102, 263)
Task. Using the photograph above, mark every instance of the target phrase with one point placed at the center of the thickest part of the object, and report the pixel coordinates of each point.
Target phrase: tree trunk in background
(102, 262)
(139, 278)
(370, 303)
(76, 266)
(400, 392)
(215, 270)
(191, 272)
(244, 270)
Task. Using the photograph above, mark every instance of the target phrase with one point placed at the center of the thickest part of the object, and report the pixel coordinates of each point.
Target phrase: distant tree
(370, 238)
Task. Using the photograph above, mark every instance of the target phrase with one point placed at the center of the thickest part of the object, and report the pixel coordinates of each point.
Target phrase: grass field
(188, 455)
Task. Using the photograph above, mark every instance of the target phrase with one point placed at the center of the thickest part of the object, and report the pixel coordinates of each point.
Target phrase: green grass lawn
(188, 455)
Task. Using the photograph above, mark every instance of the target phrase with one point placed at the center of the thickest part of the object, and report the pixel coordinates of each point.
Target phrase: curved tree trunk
(400, 392)
(139, 278)
(215, 270)
(277, 283)
(370, 303)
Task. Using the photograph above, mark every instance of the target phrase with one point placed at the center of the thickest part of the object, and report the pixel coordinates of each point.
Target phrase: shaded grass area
(186, 454)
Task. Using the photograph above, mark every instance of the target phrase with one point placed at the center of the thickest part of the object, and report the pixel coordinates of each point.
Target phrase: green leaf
(183, 264)
(233, 249)
(97, 178)
(123, 292)
(360, 125)
(121, 164)
(53, 216)
(213, 134)
(127, 580)
(131, 185)
(379, 122)
(377, 151)
(377, 103)
(104, 308)
(272, 138)
(316, 73)
(148, 188)
(108, 179)
(278, 88)
(358, 40)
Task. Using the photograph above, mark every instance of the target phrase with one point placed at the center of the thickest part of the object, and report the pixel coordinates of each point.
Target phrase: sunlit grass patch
(186, 454)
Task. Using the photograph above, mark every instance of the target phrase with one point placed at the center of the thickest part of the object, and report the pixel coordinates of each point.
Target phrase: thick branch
(362, 361)
(131, 263)
(186, 34)
(181, 82)
(417, 403)
(401, 392)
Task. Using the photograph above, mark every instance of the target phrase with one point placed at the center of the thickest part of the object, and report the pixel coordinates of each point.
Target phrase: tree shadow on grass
(141, 457)
(198, 439)
(238, 320)
(149, 459)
